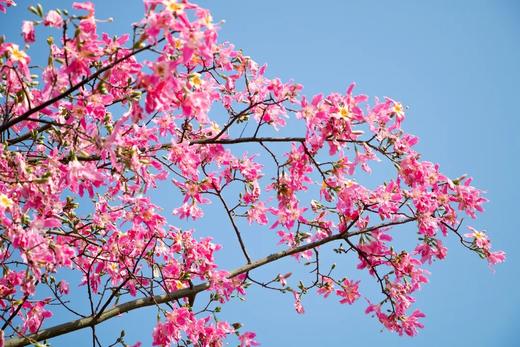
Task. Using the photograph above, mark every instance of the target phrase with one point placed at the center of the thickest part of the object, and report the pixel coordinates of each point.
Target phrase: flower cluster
(87, 143)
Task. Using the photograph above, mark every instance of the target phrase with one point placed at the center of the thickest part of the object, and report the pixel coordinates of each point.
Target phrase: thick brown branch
(92, 320)
(164, 298)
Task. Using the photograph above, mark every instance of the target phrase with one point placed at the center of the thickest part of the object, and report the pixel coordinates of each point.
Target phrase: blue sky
(455, 64)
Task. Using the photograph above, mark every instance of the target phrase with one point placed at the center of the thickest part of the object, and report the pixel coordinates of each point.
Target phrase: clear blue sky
(455, 64)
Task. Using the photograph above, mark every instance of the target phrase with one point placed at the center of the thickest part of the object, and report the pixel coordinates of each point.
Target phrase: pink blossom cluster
(6, 3)
(87, 141)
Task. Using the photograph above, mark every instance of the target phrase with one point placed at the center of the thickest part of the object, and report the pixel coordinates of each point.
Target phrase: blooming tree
(88, 136)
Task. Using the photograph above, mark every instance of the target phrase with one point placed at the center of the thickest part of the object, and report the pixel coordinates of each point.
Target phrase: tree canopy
(88, 137)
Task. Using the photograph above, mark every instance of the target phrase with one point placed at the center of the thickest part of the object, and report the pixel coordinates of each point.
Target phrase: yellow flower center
(179, 284)
(349, 183)
(195, 80)
(208, 20)
(398, 108)
(480, 235)
(17, 54)
(174, 6)
(5, 202)
(215, 128)
(113, 266)
(344, 112)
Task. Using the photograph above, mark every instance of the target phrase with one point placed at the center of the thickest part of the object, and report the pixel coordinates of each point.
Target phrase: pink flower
(177, 320)
(162, 335)
(428, 250)
(87, 6)
(257, 213)
(250, 169)
(469, 198)
(496, 257)
(327, 287)
(247, 339)
(63, 287)
(28, 31)
(17, 55)
(188, 210)
(53, 19)
(298, 304)
(411, 323)
(480, 238)
(3, 5)
(35, 316)
(349, 292)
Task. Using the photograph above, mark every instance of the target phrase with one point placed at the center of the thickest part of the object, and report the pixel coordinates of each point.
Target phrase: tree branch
(247, 139)
(69, 91)
(182, 293)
